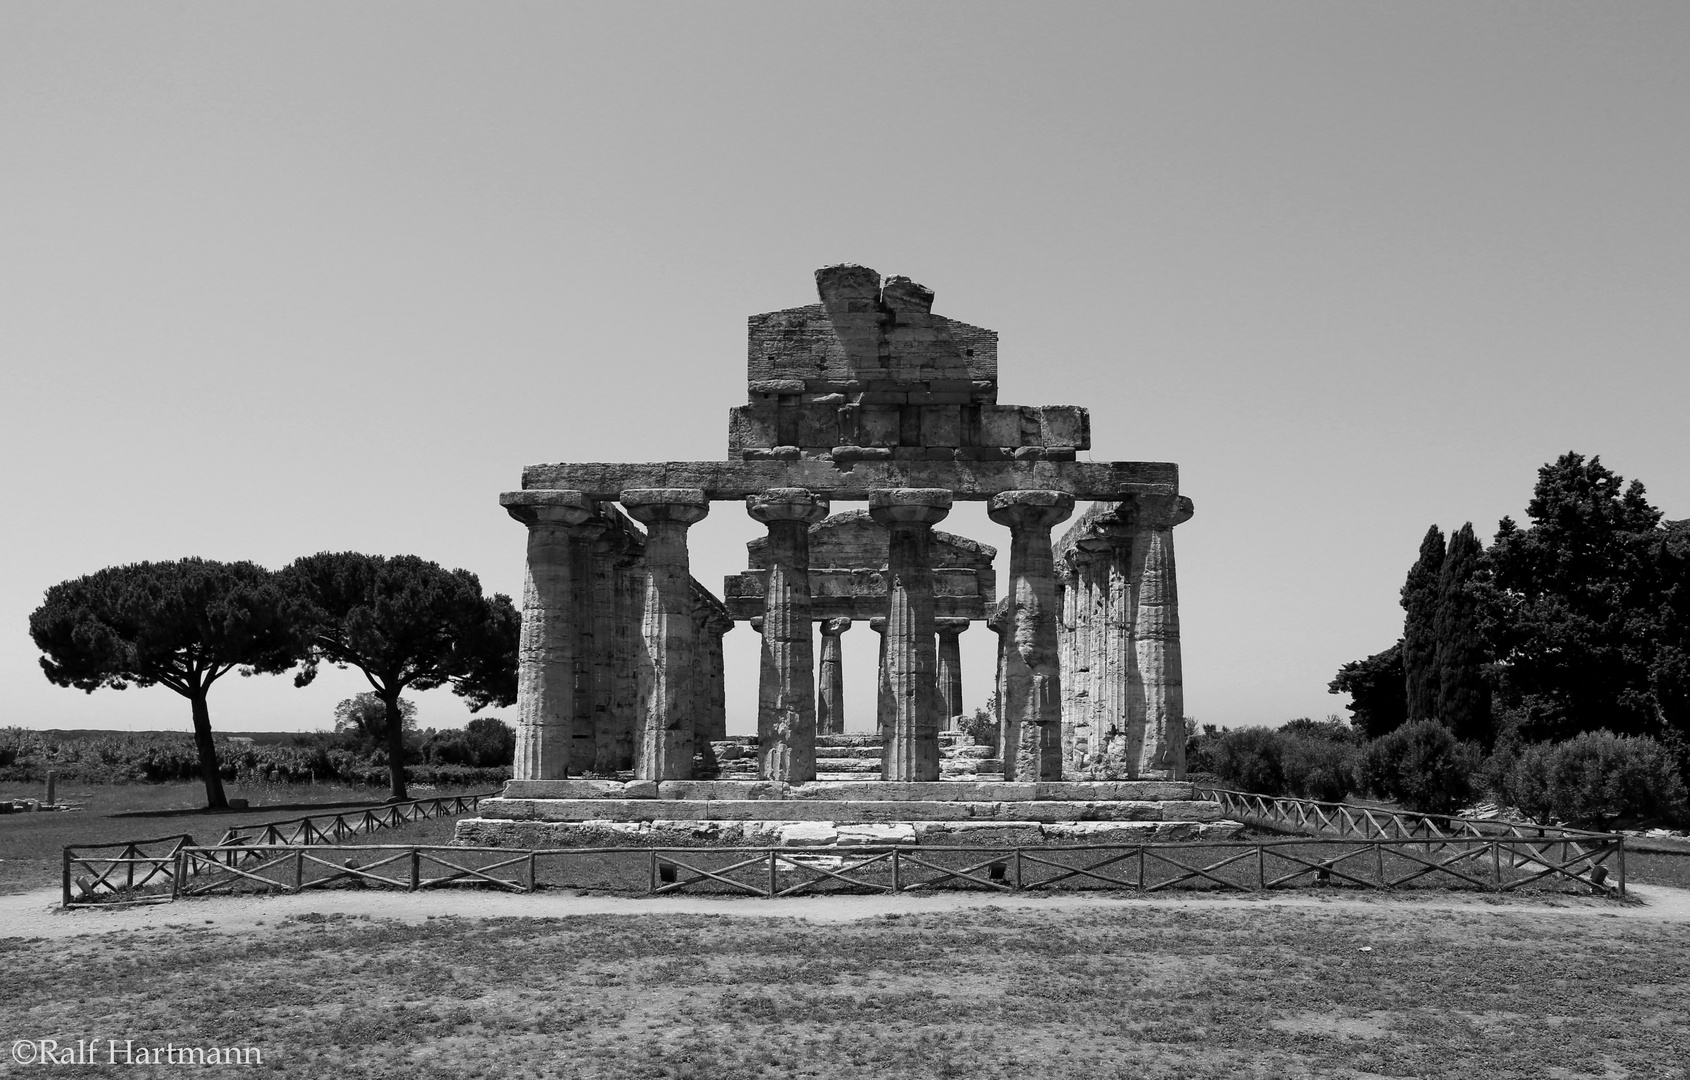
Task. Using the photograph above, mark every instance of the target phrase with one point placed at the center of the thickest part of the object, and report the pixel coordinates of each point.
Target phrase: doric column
(1115, 704)
(1075, 732)
(1160, 752)
(830, 687)
(786, 685)
(950, 669)
(884, 708)
(609, 551)
(668, 701)
(1032, 725)
(911, 751)
(553, 618)
(714, 726)
(625, 648)
(998, 623)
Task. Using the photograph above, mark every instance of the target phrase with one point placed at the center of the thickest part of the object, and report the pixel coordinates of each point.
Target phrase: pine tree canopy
(407, 624)
(182, 624)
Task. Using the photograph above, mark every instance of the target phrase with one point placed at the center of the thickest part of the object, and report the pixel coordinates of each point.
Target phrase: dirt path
(37, 914)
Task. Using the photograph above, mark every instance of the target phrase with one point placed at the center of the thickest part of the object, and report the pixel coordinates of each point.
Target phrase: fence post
(1141, 866)
(897, 885)
(1017, 869)
(67, 877)
(1496, 863)
(130, 854)
(653, 869)
(774, 883)
(530, 871)
(299, 871)
(1379, 861)
(416, 869)
(1621, 852)
(1261, 870)
(178, 865)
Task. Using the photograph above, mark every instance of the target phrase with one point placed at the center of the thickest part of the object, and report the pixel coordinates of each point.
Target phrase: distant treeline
(476, 755)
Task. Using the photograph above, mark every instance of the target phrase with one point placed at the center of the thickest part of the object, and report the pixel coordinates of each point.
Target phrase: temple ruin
(865, 397)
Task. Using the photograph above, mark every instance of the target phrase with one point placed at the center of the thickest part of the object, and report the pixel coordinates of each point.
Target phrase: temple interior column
(998, 624)
(1114, 704)
(786, 687)
(830, 685)
(552, 619)
(884, 709)
(1032, 725)
(911, 751)
(668, 701)
(950, 669)
(1074, 728)
(608, 551)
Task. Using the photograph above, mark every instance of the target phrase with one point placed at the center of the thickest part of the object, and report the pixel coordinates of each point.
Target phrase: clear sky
(281, 278)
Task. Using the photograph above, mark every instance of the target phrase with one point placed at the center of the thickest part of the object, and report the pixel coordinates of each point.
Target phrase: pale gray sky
(280, 278)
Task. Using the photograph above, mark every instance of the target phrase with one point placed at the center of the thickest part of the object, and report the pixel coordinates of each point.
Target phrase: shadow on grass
(201, 811)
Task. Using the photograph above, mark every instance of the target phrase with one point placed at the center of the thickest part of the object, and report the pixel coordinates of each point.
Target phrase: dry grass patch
(1159, 991)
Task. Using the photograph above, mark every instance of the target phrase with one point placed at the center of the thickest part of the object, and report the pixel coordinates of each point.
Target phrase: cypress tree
(1419, 629)
(1463, 703)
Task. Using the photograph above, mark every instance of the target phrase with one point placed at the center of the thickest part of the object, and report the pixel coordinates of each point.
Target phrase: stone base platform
(613, 813)
(692, 832)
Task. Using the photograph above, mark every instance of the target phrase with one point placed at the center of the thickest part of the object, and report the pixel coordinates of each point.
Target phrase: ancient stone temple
(866, 397)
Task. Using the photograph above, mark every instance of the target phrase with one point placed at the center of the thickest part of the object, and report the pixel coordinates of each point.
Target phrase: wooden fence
(1496, 864)
(91, 874)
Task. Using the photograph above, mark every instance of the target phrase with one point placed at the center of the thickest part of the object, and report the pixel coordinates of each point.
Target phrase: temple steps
(842, 810)
(832, 835)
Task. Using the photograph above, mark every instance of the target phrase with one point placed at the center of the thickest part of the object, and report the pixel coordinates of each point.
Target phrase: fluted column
(950, 669)
(885, 710)
(911, 751)
(1074, 729)
(552, 621)
(1161, 752)
(609, 550)
(1032, 726)
(714, 726)
(998, 624)
(625, 650)
(1116, 700)
(830, 686)
(668, 701)
(786, 686)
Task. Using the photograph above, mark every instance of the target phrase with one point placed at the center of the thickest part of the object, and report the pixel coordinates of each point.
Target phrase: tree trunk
(214, 797)
(395, 745)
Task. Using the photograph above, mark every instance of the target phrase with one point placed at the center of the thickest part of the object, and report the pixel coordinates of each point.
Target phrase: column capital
(548, 507)
(835, 627)
(787, 504)
(878, 624)
(682, 506)
(926, 506)
(950, 627)
(1030, 509)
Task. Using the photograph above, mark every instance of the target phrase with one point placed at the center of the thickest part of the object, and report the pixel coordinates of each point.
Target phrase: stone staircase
(849, 757)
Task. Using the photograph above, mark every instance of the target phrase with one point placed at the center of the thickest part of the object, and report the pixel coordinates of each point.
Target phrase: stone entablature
(848, 561)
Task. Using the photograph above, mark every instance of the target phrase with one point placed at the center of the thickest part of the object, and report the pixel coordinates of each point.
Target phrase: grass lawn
(1164, 990)
(31, 844)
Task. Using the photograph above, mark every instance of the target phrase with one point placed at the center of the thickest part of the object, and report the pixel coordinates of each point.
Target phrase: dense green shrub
(1248, 759)
(482, 756)
(1596, 780)
(1309, 759)
(1422, 766)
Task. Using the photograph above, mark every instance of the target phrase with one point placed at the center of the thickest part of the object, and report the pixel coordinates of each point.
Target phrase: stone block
(724, 789)
(776, 386)
(902, 832)
(929, 397)
(883, 397)
(941, 425)
(807, 834)
(877, 426)
(1065, 425)
(640, 789)
(1029, 453)
(1000, 425)
(978, 834)
(1059, 453)
(750, 427)
(1101, 790)
(862, 453)
(818, 425)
